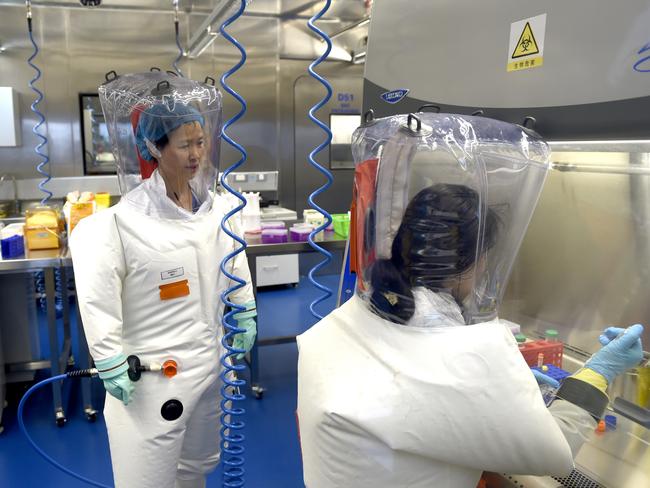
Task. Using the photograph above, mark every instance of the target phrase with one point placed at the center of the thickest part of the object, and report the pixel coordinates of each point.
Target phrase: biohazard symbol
(527, 44)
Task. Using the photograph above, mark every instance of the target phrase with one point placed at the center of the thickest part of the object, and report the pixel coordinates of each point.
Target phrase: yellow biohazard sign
(526, 47)
(527, 44)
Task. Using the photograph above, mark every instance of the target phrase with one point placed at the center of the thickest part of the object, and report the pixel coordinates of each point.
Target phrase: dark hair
(162, 142)
(437, 240)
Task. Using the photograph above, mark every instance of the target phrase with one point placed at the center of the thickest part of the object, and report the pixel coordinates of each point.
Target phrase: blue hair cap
(159, 120)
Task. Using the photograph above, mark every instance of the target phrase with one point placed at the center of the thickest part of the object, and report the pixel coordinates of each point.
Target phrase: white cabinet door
(277, 270)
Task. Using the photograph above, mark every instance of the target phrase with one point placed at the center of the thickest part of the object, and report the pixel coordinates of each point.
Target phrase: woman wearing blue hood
(148, 281)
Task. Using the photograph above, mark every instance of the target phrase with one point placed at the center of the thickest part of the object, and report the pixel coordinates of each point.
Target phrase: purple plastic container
(273, 225)
(300, 234)
(274, 236)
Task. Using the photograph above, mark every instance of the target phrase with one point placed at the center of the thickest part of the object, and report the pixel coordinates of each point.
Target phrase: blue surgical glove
(622, 350)
(246, 320)
(114, 373)
(543, 379)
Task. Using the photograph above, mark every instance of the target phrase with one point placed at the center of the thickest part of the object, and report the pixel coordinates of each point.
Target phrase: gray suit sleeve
(575, 423)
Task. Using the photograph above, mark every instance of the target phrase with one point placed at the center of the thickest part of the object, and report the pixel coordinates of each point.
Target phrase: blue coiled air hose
(21, 422)
(232, 437)
(41, 167)
(178, 42)
(327, 292)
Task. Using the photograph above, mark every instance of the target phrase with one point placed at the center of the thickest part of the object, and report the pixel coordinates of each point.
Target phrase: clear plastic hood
(441, 203)
(165, 129)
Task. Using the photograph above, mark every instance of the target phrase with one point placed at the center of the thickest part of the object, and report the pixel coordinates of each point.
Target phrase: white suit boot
(195, 483)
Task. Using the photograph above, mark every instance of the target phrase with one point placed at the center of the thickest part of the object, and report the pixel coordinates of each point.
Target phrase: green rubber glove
(114, 373)
(246, 320)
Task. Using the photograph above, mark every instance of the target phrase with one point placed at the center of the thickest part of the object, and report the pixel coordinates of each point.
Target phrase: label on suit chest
(172, 273)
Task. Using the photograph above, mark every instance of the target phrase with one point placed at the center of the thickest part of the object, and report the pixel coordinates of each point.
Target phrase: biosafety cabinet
(578, 73)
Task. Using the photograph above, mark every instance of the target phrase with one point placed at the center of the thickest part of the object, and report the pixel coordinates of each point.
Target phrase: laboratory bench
(20, 325)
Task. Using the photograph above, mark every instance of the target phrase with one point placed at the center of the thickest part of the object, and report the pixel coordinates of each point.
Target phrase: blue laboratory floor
(272, 447)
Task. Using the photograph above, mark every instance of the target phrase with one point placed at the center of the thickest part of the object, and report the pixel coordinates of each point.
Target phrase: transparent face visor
(450, 207)
(165, 137)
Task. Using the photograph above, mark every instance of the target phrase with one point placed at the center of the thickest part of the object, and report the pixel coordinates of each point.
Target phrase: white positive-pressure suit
(384, 405)
(122, 256)
(395, 390)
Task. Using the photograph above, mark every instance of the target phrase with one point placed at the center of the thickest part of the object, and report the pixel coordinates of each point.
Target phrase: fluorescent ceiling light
(206, 34)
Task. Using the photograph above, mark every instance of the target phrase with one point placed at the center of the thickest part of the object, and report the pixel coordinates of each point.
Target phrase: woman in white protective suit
(149, 284)
(414, 382)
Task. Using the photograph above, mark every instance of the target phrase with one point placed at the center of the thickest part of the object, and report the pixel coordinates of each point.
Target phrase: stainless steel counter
(613, 459)
(33, 260)
(255, 247)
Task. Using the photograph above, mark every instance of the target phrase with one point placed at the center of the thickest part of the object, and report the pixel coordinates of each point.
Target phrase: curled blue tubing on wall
(45, 159)
(327, 292)
(232, 439)
(21, 424)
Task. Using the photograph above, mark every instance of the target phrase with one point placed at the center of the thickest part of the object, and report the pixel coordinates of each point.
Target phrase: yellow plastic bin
(103, 200)
(341, 224)
(42, 228)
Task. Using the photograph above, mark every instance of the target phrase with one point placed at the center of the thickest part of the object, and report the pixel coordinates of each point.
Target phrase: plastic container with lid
(300, 233)
(273, 225)
(17, 228)
(274, 236)
(341, 224)
(313, 217)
